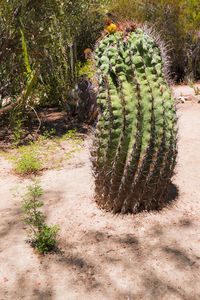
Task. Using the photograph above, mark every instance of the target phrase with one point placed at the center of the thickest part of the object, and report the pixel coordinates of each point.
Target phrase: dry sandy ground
(147, 256)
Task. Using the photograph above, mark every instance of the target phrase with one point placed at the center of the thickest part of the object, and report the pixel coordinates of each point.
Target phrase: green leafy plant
(72, 135)
(47, 152)
(195, 88)
(28, 163)
(43, 237)
(45, 240)
(17, 115)
(48, 39)
(88, 68)
(49, 133)
(16, 122)
(17, 131)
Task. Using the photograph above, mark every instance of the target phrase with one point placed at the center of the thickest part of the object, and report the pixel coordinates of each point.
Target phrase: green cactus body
(134, 151)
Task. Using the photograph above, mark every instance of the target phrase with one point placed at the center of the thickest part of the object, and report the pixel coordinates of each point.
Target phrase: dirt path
(147, 256)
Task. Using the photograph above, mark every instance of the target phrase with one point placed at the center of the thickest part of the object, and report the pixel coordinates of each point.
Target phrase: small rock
(181, 99)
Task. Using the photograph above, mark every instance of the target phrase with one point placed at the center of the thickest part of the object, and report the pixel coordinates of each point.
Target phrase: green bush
(86, 68)
(28, 163)
(45, 240)
(45, 153)
(43, 237)
(56, 34)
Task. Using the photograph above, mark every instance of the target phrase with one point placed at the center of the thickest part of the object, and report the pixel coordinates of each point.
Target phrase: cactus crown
(134, 151)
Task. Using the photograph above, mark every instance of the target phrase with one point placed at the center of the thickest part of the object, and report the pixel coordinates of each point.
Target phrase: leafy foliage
(47, 152)
(42, 43)
(54, 34)
(28, 163)
(43, 237)
(87, 68)
(45, 240)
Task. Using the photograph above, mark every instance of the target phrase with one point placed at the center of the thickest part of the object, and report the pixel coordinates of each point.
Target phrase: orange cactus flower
(88, 50)
(87, 53)
(111, 28)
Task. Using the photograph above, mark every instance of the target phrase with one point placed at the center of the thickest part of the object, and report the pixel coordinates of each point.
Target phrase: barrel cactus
(134, 149)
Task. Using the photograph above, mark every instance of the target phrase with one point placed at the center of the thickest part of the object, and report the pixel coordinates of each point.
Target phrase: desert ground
(152, 255)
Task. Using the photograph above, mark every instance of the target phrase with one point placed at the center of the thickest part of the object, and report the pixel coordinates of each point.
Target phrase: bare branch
(9, 107)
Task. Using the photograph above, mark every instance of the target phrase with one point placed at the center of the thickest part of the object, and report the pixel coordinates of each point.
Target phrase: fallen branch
(9, 107)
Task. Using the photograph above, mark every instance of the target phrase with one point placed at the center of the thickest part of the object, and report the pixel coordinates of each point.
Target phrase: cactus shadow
(172, 194)
(171, 198)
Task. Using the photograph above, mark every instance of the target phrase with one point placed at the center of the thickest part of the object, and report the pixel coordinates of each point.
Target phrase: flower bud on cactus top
(134, 151)
(111, 28)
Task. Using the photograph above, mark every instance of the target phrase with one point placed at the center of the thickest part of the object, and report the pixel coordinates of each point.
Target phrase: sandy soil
(146, 256)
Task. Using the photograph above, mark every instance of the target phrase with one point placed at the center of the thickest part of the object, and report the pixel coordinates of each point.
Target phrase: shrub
(28, 163)
(45, 240)
(45, 153)
(43, 237)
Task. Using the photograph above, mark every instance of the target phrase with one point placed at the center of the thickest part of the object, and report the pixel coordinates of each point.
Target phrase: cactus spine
(134, 151)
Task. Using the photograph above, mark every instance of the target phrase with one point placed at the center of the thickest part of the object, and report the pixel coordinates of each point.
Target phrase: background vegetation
(56, 33)
(178, 22)
(42, 44)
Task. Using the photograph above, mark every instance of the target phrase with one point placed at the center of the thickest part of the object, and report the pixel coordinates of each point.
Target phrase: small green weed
(45, 240)
(49, 133)
(88, 68)
(16, 122)
(196, 89)
(28, 163)
(17, 132)
(43, 237)
(46, 153)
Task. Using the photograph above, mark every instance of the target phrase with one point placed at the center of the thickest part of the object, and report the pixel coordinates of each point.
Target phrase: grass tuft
(47, 152)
